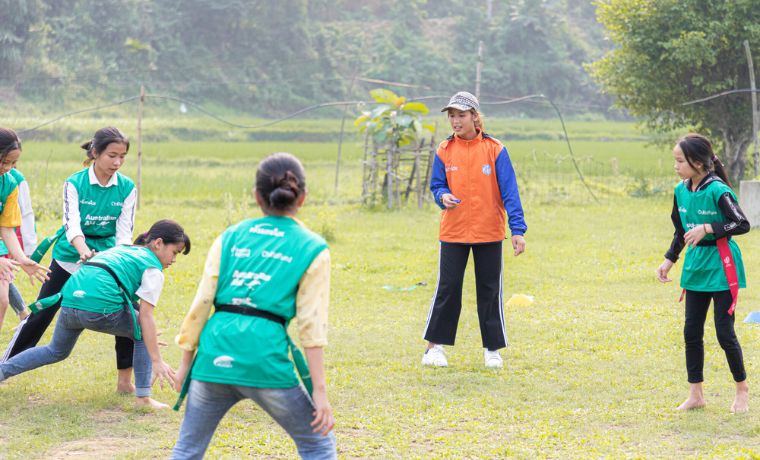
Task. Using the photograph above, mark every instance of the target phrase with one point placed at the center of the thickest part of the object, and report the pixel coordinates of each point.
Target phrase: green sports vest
(702, 267)
(262, 262)
(94, 289)
(99, 209)
(19, 178)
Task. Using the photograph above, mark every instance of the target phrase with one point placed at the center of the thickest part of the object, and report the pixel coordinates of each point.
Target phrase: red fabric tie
(730, 269)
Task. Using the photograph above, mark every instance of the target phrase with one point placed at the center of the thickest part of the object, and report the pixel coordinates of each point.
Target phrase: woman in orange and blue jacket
(474, 183)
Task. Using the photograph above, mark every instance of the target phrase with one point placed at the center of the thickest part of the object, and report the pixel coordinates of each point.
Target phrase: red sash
(730, 268)
(727, 259)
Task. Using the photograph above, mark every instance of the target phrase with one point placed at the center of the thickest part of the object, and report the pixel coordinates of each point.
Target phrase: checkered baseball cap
(463, 101)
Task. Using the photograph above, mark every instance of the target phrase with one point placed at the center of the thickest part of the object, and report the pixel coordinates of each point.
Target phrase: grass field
(595, 366)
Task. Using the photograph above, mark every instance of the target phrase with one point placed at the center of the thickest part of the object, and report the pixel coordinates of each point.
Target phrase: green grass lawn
(595, 366)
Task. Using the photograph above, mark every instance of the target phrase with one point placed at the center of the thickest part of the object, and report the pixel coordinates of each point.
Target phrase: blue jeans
(291, 408)
(71, 323)
(15, 299)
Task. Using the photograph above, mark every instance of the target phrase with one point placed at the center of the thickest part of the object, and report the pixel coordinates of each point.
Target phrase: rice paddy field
(595, 366)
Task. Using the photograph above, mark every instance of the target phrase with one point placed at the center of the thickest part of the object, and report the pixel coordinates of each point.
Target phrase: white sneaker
(493, 359)
(435, 357)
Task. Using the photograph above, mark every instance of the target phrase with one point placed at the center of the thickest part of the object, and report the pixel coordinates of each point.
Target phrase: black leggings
(30, 333)
(697, 304)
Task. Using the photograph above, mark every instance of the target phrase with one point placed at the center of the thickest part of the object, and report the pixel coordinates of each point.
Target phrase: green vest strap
(42, 304)
(45, 245)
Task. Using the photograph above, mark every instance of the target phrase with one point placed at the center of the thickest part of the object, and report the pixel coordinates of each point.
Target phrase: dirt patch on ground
(95, 448)
(109, 416)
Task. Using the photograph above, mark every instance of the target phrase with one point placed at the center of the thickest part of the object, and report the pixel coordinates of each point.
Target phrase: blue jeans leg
(292, 409)
(15, 299)
(143, 368)
(206, 405)
(65, 336)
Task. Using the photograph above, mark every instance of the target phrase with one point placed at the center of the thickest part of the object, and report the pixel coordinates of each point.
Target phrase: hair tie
(145, 235)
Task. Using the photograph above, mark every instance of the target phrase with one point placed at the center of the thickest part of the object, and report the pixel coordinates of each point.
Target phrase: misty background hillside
(267, 58)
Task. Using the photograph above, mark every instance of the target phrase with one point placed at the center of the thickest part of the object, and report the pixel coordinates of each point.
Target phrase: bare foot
(125, 388)
(741, 402)
(692, 403)
(150, 403)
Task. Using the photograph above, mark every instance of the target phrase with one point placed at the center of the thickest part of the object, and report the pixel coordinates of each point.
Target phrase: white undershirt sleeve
(71, 211)
(151, 285)
(28, 232)
(125, 224)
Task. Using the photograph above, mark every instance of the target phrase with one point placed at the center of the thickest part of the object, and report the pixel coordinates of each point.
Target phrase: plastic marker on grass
(520, 300)
(753, 317)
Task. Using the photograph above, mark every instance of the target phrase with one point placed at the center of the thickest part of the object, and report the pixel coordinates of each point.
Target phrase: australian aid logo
(267, 229)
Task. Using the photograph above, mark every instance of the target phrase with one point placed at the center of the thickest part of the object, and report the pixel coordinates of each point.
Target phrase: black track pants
(444, 313)
(697, 304)
(31, 331)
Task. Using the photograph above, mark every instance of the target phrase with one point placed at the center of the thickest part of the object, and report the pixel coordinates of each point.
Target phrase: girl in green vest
(259, 275)
(26, 234)
(10, 218)
(98, 214)
(706, 215)
(100, 296)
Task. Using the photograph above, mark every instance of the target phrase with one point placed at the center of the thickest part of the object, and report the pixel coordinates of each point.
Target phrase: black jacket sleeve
(737, 223)
(676, 246)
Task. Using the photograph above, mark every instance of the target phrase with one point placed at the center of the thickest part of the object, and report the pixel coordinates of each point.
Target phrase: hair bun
(289, 181)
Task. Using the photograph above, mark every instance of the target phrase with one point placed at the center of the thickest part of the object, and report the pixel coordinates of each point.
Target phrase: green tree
(672, 51)
(17, 18)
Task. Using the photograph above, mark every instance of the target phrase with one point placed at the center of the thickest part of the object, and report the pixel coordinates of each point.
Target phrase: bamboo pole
(756, 153)
(139, 144)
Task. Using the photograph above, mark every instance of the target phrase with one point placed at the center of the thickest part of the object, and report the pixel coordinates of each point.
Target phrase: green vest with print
(99, 209)
(262, 262)
(19, 178)
(702, 268)
(93, 289)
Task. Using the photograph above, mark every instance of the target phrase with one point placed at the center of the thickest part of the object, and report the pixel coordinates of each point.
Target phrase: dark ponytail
(102, 139)
(169, 231)
(9, 141)
(697, 148)
(280, 180)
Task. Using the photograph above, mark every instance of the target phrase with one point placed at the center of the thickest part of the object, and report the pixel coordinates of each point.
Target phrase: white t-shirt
(151, 285)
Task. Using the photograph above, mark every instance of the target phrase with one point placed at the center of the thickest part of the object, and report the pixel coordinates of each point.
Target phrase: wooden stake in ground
(756, 154)
(139, 144)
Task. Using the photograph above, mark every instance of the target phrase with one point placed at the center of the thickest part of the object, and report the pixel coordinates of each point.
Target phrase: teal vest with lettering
(99, 209)
(702, 267)
(19, 178)
(262, 262)
(93, 289)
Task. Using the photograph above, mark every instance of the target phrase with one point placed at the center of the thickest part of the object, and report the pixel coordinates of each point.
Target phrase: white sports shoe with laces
(435, 357)
(493, 359)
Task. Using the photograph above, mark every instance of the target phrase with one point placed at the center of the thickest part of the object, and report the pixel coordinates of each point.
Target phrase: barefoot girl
(100, 297)
(98, 214)
(706, 215)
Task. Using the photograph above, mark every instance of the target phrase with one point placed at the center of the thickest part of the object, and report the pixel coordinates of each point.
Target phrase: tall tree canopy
(672, 51)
